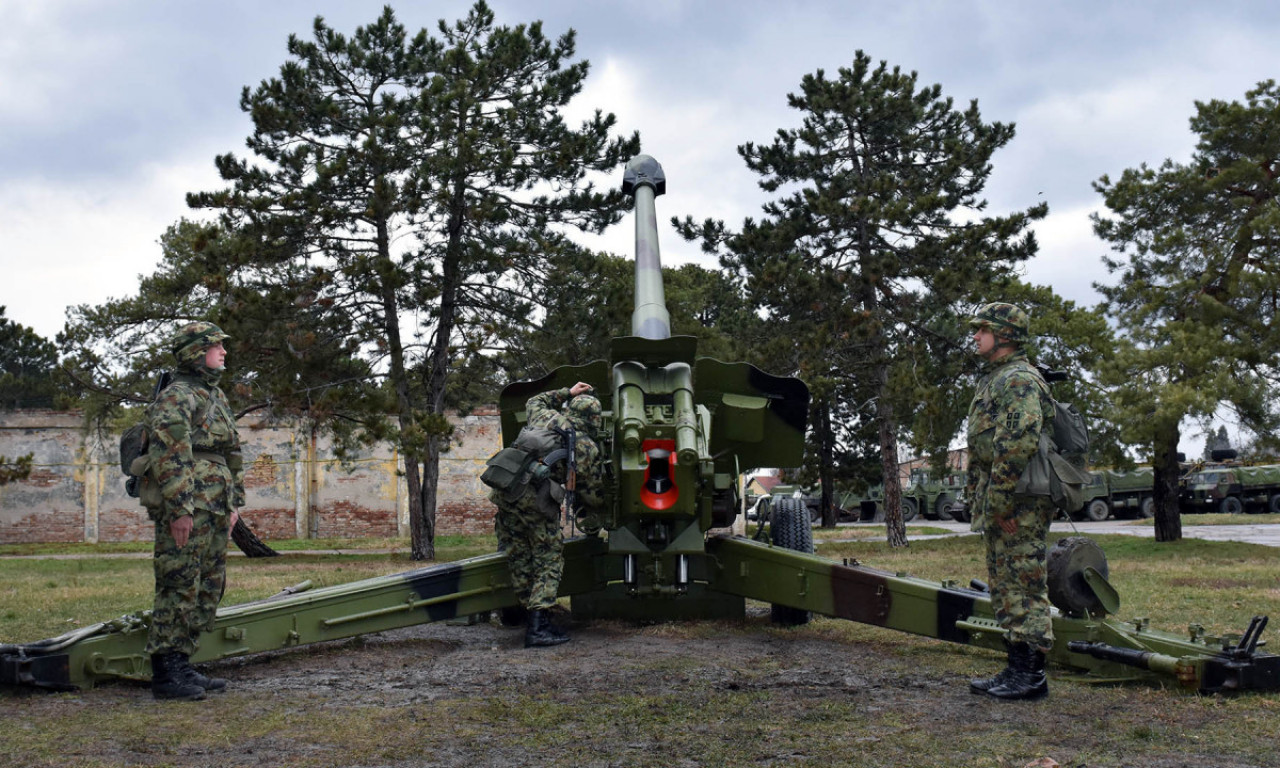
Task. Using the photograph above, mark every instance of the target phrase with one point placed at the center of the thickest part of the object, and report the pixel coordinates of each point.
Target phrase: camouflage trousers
(1018, 576)
(535, 553)
(189, 583)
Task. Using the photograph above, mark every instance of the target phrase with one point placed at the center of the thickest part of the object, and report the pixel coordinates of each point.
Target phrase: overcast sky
(111, 110)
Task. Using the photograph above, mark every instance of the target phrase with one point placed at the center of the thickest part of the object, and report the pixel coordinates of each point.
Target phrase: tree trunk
(422, 543)
(895, 528)
(430, 484)
(1164, 463)
(386, 272)
(826, 464)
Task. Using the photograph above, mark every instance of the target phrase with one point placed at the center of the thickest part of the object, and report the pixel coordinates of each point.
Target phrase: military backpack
(528, 460)
(1059, 468)
(135, 452)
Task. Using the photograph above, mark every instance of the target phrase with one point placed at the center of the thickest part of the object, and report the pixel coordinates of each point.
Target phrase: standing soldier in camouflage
(528, 526)
(195, 459)
(1009, 411)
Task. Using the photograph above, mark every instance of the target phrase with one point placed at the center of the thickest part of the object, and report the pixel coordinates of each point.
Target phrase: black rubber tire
(790, 529)
(909, 510)
(1097, 510)
(1146, 508)
(1273, 504)
(942, 507)
(1230, 506)
(1065, 564)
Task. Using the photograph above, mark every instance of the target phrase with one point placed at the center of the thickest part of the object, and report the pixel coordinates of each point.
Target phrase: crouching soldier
(529, 480)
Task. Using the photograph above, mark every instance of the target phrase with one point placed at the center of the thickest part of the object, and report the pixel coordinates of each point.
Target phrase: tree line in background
(400, 245)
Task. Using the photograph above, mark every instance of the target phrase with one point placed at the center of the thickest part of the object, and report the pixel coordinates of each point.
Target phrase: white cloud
(1069, 260)
(39, 44)
(66, 244)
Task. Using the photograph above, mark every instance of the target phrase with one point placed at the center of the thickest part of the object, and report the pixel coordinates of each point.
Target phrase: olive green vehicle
(1122, 494)
(936, 499)
(1232, 489)
(680, 431)
(922, 497)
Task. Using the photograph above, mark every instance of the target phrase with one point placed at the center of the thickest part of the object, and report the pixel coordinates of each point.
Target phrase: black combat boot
(193, 675)
(540, 632)
(984, 684)
(169, 679)
(1027, 680)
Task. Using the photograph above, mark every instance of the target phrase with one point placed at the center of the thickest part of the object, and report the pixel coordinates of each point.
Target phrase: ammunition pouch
(142, 486)
(509, 471)
(1050, 474)
(550, 495)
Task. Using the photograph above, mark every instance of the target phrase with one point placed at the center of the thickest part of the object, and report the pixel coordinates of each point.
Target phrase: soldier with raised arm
(528, 517)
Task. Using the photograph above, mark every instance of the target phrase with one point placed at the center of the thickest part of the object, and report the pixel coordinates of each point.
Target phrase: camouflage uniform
(529, 528)
(1010, 409)
(195, 458)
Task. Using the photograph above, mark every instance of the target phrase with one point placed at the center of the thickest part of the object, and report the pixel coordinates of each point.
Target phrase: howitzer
(679, 431)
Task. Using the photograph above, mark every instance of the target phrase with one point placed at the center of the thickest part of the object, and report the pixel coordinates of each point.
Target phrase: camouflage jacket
(194, 448)
(544, 410)
(1010, 409)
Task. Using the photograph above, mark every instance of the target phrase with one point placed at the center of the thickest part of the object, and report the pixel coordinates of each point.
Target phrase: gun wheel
(790, 529)
(1067, 587)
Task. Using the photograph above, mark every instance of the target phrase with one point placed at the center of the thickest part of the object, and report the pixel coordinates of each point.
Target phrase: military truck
(1232, 489)
(868, 507)
(1123, 494)
(812, 501)
(936, 499)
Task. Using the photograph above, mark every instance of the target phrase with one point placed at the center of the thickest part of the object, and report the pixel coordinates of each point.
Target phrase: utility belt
(208, 454)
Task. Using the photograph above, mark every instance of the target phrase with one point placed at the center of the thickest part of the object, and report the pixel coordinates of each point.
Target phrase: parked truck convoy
(1232, 489)
(1225, 487)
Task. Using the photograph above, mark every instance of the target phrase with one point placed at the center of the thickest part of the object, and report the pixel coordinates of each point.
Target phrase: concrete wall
(295, 488)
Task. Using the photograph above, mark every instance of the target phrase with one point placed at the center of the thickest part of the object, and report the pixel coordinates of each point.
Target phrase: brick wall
(294, 486)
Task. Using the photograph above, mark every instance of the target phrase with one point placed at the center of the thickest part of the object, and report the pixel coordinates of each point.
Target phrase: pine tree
(428, 179)
(28, 367)
(875, 243)
(1198, 284)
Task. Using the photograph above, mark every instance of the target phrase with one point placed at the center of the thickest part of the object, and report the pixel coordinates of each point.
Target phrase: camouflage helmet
(1005, 320)
(584, 412)
(191, 340)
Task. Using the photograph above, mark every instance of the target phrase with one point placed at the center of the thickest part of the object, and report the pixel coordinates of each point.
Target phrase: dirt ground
(701, 694)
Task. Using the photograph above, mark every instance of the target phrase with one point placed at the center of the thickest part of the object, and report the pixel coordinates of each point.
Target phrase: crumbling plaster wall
(294, 486)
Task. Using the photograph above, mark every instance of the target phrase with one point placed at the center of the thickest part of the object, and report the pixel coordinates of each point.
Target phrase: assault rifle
(569, 453)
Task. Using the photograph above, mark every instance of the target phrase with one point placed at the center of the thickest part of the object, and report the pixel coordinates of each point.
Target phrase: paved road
(1257, 534)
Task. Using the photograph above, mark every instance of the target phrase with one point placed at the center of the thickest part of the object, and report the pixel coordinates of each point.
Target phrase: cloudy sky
(111, 110)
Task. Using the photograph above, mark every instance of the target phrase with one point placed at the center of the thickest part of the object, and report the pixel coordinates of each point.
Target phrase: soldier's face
(215, 356)
(986, 341)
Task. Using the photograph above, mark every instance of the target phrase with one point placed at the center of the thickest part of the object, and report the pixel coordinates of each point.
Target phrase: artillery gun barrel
(644, 181)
